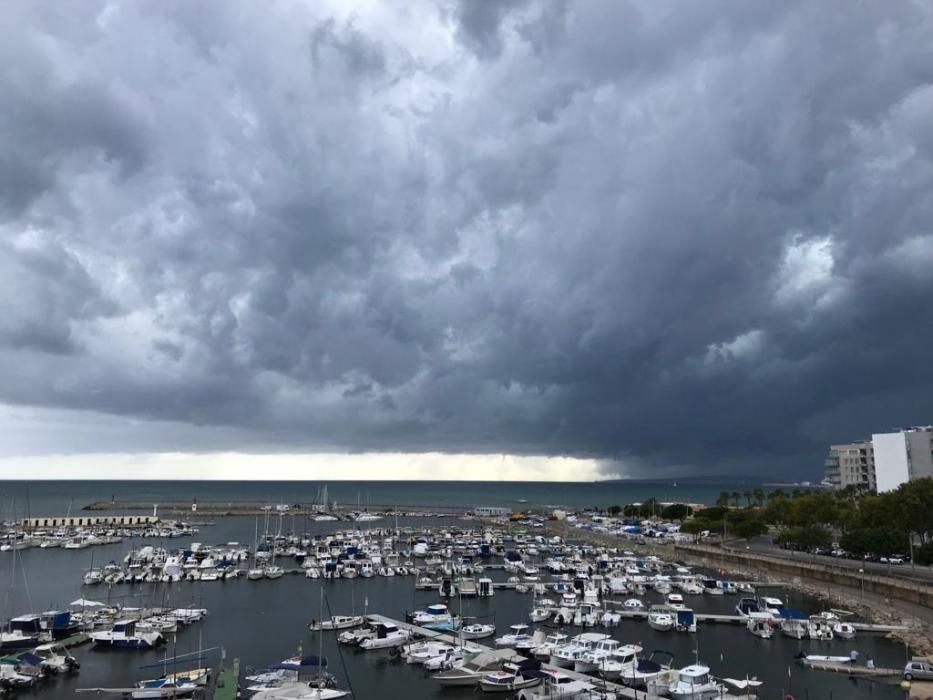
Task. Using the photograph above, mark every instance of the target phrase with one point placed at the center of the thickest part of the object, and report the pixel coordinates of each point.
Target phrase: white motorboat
(605, 651)
(610, 619)
(477, 631)
(435, 616)
(745, 606)
(354, 637)
(694, 683)
(124, 635)
(843, 630)
(512, 677)
(773, 605)
(539, 614)
(566, 656)
(56, 658)
(386, 636)
(661, 619)
(620, 663)
(336, 622)
(23, 632)
(586, 615)
(633, 604)
(298, 690)
(675, 601)
(794, 627)
(423, 651)
(551, 642)
(820, 628)
(178, 684)
(559, 685)
(470, 672)
(274, 571)
(760, 624)
(518, 635)
(655, 667)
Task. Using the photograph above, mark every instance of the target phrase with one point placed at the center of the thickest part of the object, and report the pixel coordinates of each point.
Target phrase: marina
(449, 562)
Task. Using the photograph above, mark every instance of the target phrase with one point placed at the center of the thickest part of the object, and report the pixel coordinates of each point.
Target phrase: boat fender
(789, 697)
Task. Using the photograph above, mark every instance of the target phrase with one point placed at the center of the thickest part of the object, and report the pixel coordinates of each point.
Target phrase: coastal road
(764, 545)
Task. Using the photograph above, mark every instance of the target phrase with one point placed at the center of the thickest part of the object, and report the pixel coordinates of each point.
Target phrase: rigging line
(343, 663)
(22, 566)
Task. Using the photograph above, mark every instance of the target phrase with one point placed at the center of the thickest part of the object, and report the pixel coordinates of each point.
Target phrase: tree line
(859, 521)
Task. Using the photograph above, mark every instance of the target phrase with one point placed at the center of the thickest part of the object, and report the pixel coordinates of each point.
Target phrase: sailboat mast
(320, 635)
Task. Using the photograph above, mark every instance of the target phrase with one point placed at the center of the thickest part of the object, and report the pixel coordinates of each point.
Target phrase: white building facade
(902, 456)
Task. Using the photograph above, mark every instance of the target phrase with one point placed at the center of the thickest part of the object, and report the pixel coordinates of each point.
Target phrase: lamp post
(862, 582)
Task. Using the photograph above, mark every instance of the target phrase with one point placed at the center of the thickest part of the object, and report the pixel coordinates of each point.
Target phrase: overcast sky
(653, 238)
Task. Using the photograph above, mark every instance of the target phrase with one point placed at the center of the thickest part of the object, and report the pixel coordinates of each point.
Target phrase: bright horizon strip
(236, 466)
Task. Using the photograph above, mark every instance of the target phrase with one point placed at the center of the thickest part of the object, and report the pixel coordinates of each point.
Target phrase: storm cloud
(688, 237)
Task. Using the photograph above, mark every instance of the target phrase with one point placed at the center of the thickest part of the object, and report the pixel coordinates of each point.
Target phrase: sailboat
(258, 571)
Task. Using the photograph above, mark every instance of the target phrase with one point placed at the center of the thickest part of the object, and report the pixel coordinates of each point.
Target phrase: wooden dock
(225, 685)
(856, 670)
(74, 640)
(599, 683)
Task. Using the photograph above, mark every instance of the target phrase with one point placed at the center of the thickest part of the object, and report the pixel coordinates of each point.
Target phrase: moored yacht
(512, 677)
(661, 619)
(336, 622)
(386, 635)
(693, 683)
(23, 632)
(470, 672)
(124, 635)
(566, 656)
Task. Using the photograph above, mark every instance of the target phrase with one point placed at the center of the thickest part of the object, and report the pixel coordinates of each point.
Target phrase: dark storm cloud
(691, 238)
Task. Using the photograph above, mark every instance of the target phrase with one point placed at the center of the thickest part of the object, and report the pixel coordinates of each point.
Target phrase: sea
(41, 498)
(263, 622)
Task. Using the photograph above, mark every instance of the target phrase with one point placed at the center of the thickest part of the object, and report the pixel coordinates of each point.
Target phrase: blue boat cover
(30, 658)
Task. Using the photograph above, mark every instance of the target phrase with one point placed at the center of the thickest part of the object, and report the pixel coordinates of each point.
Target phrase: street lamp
(862, 582)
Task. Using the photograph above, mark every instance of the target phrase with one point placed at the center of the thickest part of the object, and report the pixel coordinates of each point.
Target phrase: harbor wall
(800, 571)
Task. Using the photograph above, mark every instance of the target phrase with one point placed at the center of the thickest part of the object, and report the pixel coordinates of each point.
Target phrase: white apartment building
(902, 456)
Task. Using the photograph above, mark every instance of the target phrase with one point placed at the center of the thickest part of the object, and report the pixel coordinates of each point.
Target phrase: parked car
(918, 669)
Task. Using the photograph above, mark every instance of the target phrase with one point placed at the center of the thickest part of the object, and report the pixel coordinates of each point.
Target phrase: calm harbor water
(263, 622)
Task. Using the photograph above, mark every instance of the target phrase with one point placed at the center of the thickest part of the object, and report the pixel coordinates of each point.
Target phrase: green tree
(759, 497)
(881, 542)
(675, 511)
(735, 498)
(807, 536)
(648, 508)
(723, 499)
(614, 510)
(748, 499)
(694, 526)
(923, 554)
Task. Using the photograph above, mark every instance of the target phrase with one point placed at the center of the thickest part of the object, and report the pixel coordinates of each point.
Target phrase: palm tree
(759, 497)
(735, 498)
(723, 500)
(748, 498)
